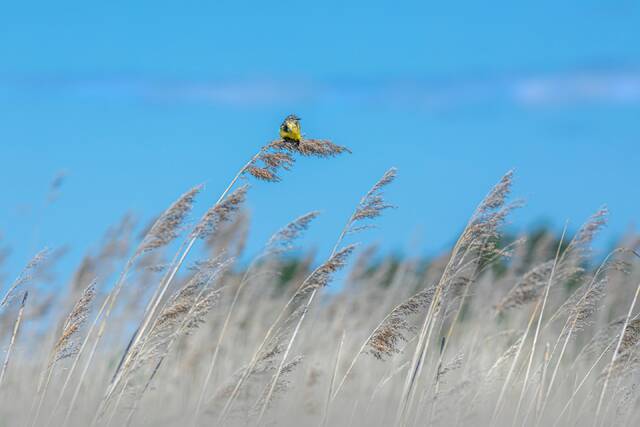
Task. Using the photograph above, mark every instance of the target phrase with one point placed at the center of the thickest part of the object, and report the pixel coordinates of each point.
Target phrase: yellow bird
(290, 129)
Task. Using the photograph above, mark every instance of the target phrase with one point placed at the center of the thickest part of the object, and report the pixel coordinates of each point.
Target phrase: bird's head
(292, 118)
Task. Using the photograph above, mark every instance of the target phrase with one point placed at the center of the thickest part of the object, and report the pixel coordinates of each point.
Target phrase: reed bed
(162, 325)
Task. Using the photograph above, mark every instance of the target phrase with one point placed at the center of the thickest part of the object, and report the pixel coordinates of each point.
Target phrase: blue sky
(140, 102)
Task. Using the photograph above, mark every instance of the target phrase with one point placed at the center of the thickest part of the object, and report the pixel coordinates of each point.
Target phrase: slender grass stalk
(283, 361)
(14, 335)
(40, 396)
(327, 407)
(101, 330)
(515, 361)
(214, 357)
(74, 365)
(569, 333)
(363, 347)
(543, 379)
(427, 330)
(422, 345)
(385, 380)
(454, 323)
(64, 347)
(615, 355)
(535, 335)
(579, 387)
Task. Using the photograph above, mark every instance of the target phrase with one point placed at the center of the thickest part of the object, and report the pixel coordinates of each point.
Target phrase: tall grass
(165, 327)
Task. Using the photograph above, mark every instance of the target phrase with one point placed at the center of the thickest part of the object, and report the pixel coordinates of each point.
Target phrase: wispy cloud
(618, 87)
(610, 86)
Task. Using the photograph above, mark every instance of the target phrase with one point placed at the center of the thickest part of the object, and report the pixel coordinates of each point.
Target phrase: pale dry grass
(167, 328)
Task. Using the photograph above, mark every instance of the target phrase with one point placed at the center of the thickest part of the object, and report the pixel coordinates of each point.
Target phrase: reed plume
(66, 346)
(168, 226)
(25, 275)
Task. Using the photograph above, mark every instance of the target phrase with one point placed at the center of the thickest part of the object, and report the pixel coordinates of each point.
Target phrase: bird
(290, 129)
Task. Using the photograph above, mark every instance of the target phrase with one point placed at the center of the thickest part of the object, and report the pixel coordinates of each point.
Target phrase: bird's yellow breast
(290, 130)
